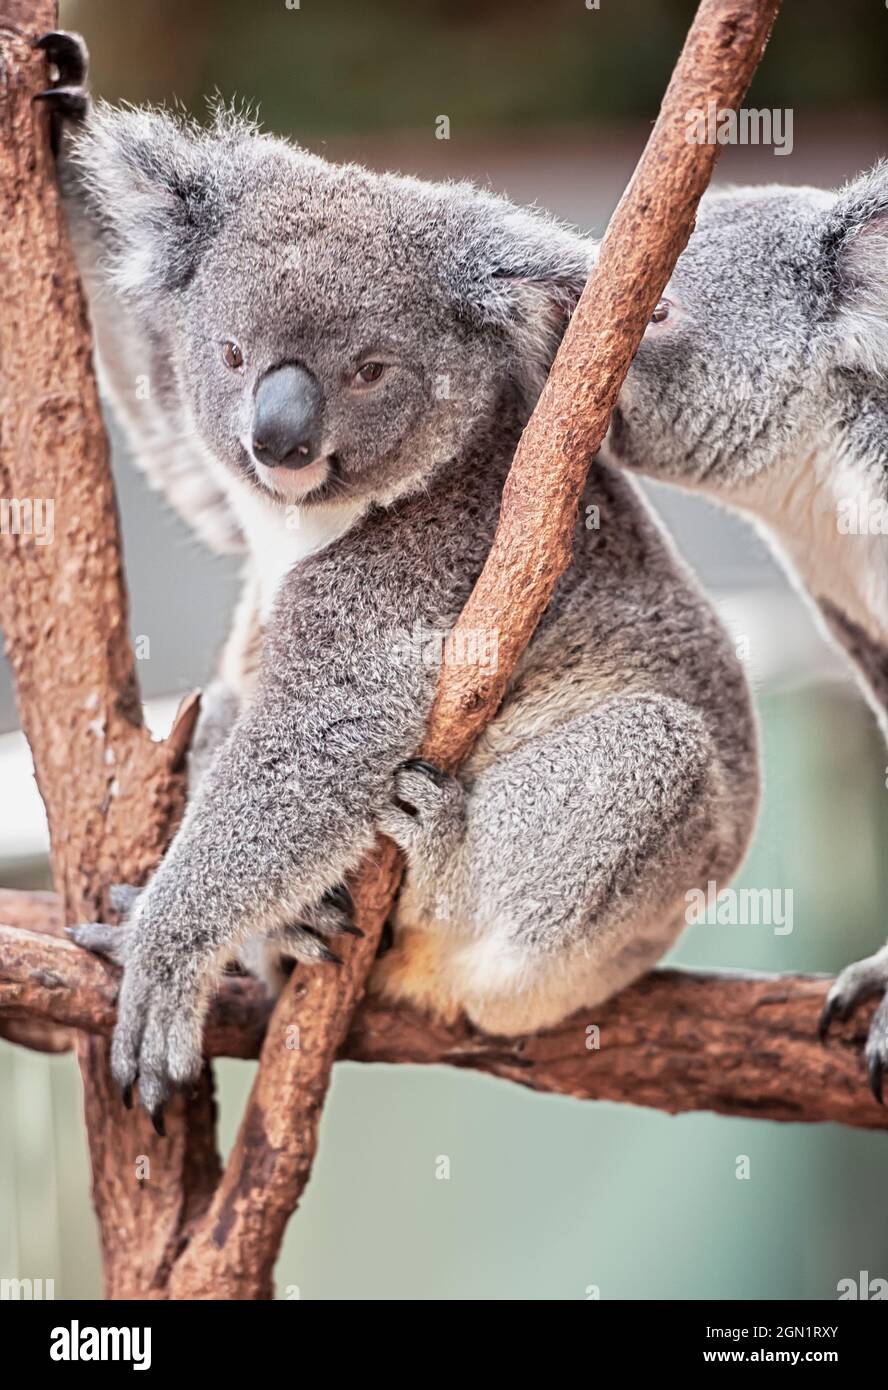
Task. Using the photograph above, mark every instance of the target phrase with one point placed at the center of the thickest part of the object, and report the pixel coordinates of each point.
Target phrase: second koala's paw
(67, 96)
(855, 984)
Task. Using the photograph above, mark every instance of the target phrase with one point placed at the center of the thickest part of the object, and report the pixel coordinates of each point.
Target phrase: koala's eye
(368, 374)
(232, 356)
(661, 313)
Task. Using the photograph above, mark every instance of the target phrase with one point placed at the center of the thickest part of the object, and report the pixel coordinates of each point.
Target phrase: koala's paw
(855, 984)
(426, 808)
(158, 1040)
(305, 940)
(67, 96)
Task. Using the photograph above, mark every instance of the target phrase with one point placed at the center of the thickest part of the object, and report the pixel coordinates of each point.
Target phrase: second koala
(763, 382)
(341, 366)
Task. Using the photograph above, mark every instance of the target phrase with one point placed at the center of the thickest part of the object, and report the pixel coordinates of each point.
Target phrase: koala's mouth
(312, 482)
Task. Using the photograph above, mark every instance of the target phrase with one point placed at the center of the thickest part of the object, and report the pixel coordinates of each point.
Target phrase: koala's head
(771, 341)
(332, 331)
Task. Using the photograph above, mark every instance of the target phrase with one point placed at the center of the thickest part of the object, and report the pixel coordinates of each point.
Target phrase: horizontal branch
(742, 1045)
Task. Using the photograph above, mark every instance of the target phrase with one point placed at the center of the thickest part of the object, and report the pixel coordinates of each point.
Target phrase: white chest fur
(830, 523)
(279, 538)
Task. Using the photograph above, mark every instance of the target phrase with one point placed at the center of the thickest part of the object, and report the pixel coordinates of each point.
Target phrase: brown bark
(676, 1041)
(112, 796)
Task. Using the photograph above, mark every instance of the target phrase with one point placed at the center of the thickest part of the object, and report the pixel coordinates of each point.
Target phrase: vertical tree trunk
(112, 796)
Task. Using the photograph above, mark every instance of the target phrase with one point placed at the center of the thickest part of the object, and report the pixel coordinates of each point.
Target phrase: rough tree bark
(112, 795)
(63, 609)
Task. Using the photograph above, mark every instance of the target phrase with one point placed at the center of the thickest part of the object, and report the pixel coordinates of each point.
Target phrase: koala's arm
(286, 809)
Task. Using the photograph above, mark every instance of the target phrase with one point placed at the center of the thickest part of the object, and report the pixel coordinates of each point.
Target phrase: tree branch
(742, 1045)
(63, 609)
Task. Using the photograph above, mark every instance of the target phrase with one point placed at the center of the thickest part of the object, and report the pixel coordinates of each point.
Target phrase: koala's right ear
(150, 181)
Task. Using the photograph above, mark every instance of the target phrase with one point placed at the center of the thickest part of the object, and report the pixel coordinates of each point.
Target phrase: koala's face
(763, 338)
(334, 333)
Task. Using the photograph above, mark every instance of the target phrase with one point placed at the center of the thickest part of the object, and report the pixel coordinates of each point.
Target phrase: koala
(762, 381)
(341, 365)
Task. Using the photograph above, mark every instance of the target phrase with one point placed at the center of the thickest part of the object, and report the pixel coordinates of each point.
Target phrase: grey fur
(621, 770)
(766, 387)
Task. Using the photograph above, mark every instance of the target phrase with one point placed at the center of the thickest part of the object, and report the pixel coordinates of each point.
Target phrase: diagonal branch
(677, 1041)
(234, 1248)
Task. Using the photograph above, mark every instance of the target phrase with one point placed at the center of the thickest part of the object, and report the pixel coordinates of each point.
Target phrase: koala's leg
(561, 874)
(856, 983)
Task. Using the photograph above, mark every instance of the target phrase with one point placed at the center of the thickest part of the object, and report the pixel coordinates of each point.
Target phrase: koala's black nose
(287, 417)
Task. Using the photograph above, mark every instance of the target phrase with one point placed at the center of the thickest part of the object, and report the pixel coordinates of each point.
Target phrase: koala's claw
(67, 97)
(68, 53)
(305, 940)
(855, 984)
(101, 939)
(441, 779)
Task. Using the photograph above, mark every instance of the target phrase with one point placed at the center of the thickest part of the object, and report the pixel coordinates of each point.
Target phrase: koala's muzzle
(287, 417)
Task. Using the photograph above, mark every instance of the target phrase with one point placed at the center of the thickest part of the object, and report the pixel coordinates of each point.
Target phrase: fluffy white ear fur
(152, 180)
(864, 317)
(858, 232)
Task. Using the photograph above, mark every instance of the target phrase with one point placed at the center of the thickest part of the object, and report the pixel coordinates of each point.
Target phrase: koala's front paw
(855, 984)
(67, 97)
(159, 1034)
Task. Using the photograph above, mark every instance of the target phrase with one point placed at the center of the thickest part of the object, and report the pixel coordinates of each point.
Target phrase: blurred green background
(546, 1196)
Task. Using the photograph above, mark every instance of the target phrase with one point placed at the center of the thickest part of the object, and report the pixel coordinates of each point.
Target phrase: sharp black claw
(439, 778)
(350, 929)
(877, 1079)
(67, 101)
(330, 957)
(826, 1018)
(126, 1096)
(68, 52)
(386, 940)
(340, 897)
(158, 1122)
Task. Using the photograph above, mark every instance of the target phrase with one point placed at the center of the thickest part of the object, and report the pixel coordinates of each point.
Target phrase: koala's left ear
(855, 265)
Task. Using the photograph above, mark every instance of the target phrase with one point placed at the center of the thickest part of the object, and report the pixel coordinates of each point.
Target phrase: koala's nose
(287, 417)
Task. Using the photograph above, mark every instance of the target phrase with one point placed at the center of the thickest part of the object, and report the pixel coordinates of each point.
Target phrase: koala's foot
(305, 940)
(856, 983)
(67, 98)
(426, 813)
